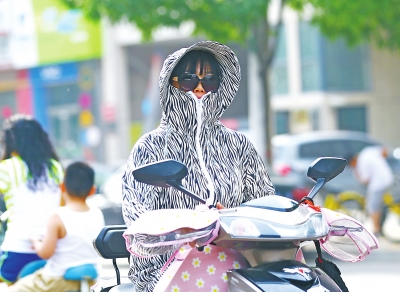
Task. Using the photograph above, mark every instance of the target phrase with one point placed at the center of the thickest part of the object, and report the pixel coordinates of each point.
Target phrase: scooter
(258, 244)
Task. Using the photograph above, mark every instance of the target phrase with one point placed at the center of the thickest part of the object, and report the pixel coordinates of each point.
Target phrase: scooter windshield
(347, 240)
(144, 238)
(275, 203)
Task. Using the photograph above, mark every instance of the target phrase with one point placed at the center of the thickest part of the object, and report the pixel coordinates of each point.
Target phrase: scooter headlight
(316, 226)
(248, 227)
(244, 227)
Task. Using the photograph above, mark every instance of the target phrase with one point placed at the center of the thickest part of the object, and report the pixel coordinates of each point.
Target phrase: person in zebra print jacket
(224, 166)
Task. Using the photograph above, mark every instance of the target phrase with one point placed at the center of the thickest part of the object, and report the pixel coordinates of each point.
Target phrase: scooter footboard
(295, 275)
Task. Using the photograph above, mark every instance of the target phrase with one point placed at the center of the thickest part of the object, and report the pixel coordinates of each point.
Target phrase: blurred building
(321, 85)
(316, 84)
(131, 72)
(50, 68)
(95, 87)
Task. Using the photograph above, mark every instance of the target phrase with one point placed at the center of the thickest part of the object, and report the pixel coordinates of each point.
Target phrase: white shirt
(28, 209)
(76, 248)
(373, 168)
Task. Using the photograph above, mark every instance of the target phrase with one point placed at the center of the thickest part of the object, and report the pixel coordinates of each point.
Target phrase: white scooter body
(258, 245)
(259, 232)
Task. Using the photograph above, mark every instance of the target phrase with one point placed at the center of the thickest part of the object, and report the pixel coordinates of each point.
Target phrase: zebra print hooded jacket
(223, 164)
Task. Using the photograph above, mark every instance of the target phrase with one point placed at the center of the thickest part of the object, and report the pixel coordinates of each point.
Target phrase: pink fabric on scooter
(201, 270)
(348, 239)
(158, 231)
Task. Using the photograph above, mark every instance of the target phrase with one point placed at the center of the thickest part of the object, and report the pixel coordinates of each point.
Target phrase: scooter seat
(84, 272)
(125, 287)
(31, 268)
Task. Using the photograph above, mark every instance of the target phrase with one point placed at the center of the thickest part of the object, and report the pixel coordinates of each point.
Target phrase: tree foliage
(245, 21)
(221, 20)
(373, 21)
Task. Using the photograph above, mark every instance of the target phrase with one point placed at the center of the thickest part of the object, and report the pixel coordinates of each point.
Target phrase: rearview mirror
(326, 167)
(158, 173)
(165, 173)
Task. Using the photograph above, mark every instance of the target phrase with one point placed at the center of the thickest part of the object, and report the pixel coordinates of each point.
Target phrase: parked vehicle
(102, 171)
(112, 211)
(108, 195)
(263, 237)
(108, 198)
(293, 153)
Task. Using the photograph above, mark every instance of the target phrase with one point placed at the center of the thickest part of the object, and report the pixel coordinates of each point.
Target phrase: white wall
(115, 94)
(115, 80)
(385, 106)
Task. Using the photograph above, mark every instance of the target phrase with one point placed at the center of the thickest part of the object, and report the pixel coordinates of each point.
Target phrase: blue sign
(51, 75)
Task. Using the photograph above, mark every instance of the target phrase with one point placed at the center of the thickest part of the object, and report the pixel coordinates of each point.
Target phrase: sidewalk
(386, 245)
(386, 251)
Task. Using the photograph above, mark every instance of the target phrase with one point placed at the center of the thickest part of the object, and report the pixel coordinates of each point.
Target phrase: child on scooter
(68, 239)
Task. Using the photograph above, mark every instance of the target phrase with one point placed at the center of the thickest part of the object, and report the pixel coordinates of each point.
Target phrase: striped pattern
(223, 164)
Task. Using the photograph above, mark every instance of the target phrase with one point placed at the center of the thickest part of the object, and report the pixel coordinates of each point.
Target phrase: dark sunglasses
(189, 82)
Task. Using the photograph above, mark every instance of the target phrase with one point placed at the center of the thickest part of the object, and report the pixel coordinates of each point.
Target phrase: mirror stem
(319, 184)
(178, 185)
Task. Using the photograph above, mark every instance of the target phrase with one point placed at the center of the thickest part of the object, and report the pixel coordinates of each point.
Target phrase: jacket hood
(179, 107)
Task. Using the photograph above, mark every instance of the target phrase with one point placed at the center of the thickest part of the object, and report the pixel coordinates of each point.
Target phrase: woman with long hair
(30, 174)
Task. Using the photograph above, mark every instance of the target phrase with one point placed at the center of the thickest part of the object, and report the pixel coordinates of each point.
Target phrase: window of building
(352, 118)
(282, 122)
(332, 65)
(345, 68)
(63, 114)
(310, 57)
(7, 104)
(332, 148)
(315, 120)
(279, 75)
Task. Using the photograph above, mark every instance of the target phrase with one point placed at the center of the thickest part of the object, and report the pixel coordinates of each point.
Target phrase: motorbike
(256, 246)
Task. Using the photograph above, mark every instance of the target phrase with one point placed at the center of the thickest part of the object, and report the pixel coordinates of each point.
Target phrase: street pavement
(380, 271)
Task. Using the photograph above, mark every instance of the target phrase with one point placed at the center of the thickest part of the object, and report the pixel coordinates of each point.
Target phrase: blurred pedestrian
(372, 169)
(30, 174)
(69, 235)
